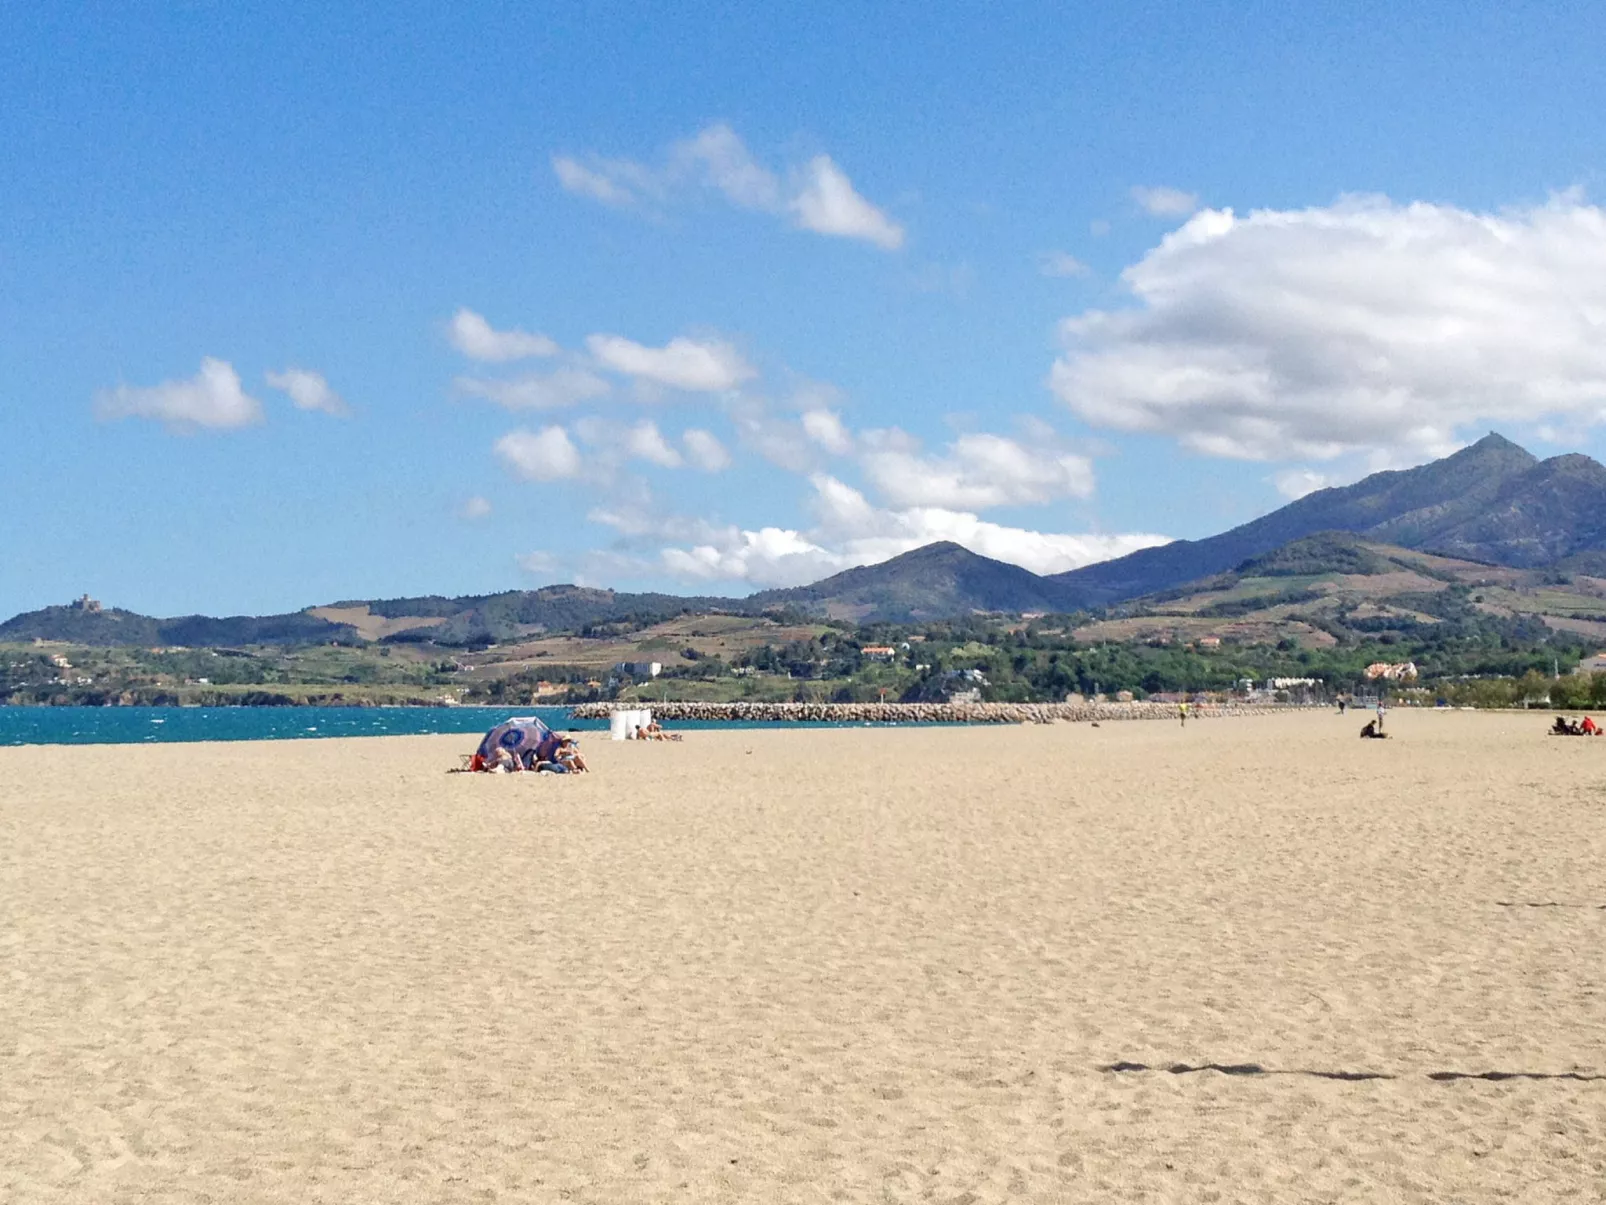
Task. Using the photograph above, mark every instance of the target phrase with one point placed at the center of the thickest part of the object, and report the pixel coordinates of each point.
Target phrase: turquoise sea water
(135, 725)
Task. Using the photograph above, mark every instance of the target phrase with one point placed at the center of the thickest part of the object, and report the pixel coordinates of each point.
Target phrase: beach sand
(855, 965)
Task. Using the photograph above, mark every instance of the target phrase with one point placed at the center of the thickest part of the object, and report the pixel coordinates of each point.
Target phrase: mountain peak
(1494, 441)
(936, 551)
(940, 580)
(1409, 507)
(1493, 450)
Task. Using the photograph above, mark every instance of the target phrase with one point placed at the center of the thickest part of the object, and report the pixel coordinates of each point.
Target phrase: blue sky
(304, 303)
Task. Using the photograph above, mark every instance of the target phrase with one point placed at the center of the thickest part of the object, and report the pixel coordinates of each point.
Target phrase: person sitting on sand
(568, 756)
(1372, 732)
(1588, 727)
(1559, 728)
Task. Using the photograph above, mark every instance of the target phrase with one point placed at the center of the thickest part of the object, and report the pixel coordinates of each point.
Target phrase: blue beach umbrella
(521, 735)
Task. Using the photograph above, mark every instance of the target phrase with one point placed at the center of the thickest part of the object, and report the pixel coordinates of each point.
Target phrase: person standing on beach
(1182, 712)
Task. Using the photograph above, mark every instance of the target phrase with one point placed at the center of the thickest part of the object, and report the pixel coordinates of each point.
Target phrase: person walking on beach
(1182, 712)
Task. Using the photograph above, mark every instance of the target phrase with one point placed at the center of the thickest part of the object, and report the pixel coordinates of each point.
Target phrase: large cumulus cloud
(1367, 325)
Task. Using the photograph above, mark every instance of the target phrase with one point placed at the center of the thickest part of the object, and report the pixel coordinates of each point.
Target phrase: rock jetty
(923, 713)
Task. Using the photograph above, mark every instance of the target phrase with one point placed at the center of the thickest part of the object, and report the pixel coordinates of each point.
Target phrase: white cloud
(1294, 484)
(597, 184)
(635, 514)
(474, 508)
(723, 162)
(888, 439)
(308, 391)
(705, 451)
(852, 532)
(1061, 263)
(825, 428)
(827, 204)
(645, 442)
(781, 441)
(815, 196)
(538, 563)
(544, 455)
(1165, 202)
(610, 445)
(477, 339)
(706, 366)
(930, 498)
(551, 391)
(768, 556)
(211, 399)
(1364, 326)
(868, 534)
(979, 471)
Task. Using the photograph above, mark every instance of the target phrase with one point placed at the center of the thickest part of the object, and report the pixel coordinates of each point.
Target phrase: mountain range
(1492, 502)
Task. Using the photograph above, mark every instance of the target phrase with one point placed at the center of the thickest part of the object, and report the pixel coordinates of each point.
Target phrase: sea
(139, 725)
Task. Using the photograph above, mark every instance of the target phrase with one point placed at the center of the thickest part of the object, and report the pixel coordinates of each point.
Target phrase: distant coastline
(255, 698)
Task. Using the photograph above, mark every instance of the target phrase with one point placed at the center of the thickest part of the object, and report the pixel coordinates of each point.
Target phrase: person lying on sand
(655, 731)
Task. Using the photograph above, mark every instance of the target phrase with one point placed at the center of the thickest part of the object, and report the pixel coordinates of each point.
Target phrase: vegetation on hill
(1324, 552)
(115, 628)
(1491, 502)
(482, 619)
(934, 582)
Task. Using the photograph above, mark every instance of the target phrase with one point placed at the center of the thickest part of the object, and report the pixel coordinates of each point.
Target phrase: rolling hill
(112, 627)
(453, 622)
(933, 582)
(1334, 587)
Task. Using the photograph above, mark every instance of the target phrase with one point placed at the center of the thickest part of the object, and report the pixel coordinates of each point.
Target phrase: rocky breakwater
(922, 713)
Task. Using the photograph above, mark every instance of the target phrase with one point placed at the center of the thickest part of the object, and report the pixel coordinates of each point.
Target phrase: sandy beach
(1255, 960)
